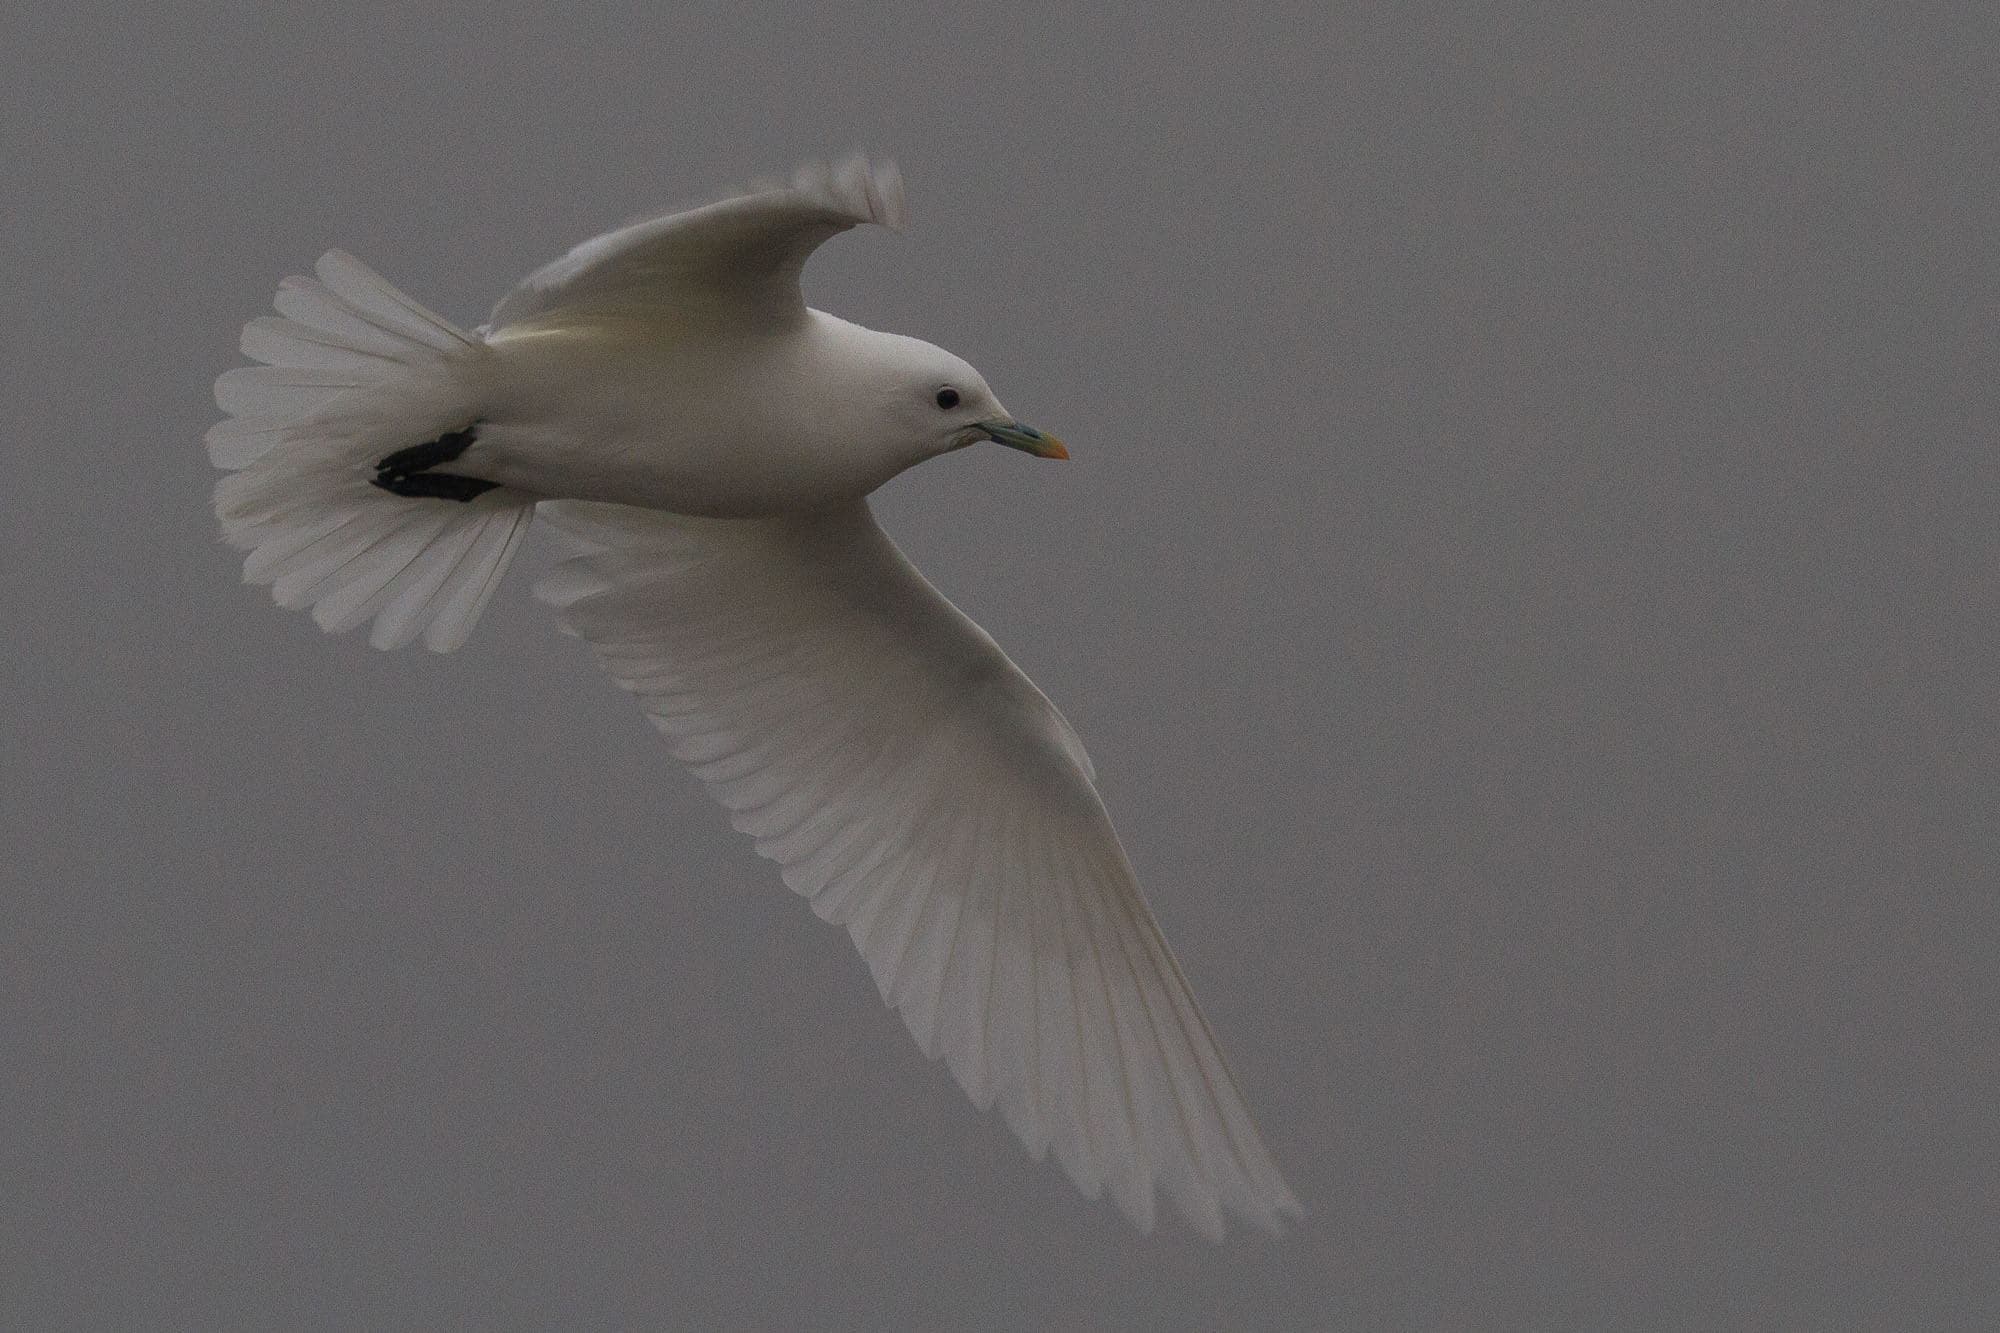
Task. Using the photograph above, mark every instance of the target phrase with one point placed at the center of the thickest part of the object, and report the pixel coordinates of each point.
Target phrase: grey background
(1528, 577)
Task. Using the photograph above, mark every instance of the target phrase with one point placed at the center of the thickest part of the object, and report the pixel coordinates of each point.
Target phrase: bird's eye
(947, 399)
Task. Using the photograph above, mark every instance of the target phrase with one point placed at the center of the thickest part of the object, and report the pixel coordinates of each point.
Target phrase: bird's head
(938, 403)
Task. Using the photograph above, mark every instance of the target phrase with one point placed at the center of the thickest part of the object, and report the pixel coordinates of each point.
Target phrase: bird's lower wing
(919, 790)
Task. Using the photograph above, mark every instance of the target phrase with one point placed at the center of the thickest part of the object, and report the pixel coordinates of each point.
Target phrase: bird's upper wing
(738, 258)
(918, 789)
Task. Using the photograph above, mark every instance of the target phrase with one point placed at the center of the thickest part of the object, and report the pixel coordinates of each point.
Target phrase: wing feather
(919, 790)
(736, 259)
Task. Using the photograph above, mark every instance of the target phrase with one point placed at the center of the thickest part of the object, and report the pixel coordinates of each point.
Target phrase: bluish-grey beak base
(1020, 435)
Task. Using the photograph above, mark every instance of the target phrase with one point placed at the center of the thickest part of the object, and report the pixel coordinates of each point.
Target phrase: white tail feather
(354, 370)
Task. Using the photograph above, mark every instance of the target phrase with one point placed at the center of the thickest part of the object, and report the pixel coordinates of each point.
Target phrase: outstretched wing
(737, 258)
(919, 790)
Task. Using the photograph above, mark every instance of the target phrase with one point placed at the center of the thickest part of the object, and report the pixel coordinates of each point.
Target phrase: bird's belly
(594, 460)
(596, 432)
(712, 476)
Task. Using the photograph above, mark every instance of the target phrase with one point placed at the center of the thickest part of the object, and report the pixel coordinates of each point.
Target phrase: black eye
(947, 399)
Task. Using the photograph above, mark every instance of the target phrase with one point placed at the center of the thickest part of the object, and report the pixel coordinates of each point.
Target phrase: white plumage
(355, 370)
(663, 395)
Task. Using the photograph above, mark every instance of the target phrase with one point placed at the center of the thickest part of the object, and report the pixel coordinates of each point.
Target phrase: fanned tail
(353, 372)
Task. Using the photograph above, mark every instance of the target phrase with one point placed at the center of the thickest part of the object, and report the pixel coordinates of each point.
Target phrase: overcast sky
(1528, 575)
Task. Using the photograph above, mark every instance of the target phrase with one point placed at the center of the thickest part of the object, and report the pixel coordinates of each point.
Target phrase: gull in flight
(663, 395)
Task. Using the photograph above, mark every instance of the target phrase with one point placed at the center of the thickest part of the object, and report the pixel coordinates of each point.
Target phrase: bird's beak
(1020, 435)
